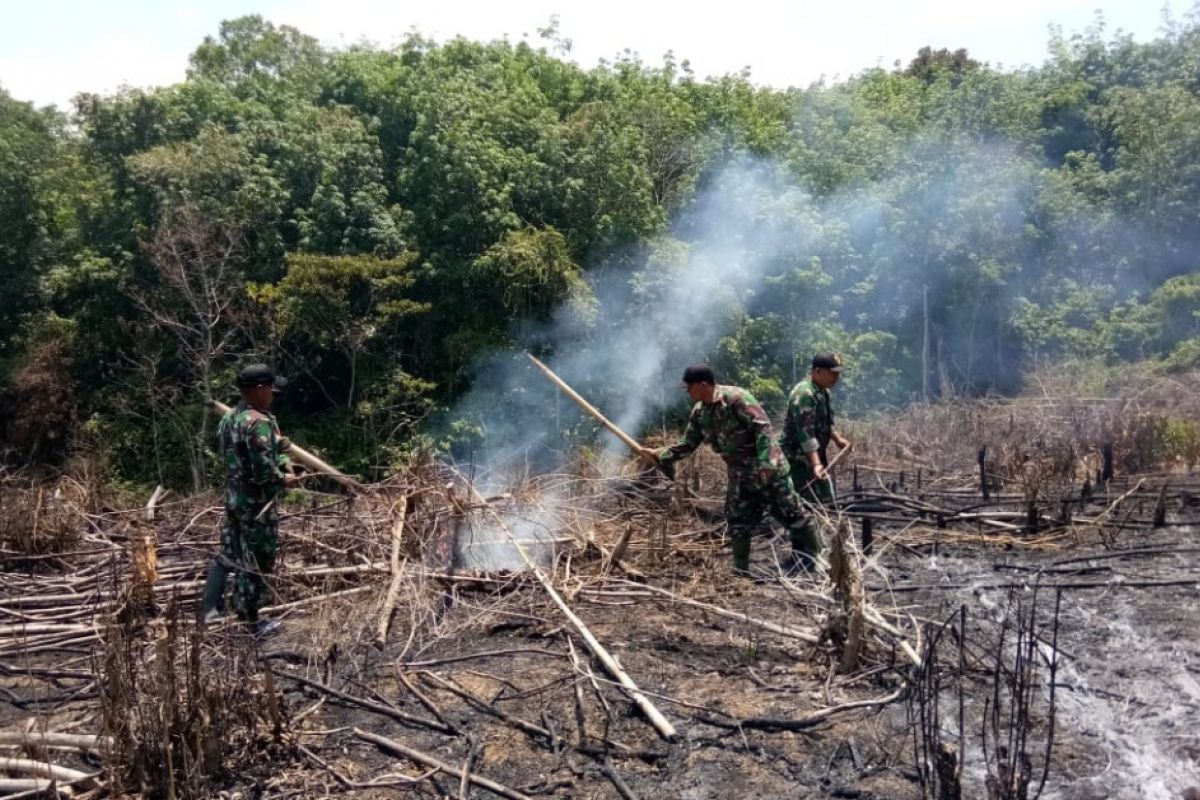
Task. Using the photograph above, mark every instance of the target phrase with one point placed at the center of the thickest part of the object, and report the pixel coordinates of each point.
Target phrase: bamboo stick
(316, 465)
(389, 602)
(656, 718)
(629, 441)
(66, 741)
(396, 748)
(774, 627)
(42, 769)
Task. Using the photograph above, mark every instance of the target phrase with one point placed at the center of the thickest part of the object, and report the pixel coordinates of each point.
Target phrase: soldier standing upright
(808, 429)
(732, 422)
(257, 470)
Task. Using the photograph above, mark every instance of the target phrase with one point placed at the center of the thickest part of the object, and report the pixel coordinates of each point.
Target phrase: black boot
(806, 546)
(214, 591)
(741, 555)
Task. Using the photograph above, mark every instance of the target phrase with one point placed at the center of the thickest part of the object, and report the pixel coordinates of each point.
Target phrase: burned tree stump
(846, 574)
(949, 773)
(1106, 472)
(1032, 518)
(1012, 780)
(868, 535)
(1160, 509)
(983, 481)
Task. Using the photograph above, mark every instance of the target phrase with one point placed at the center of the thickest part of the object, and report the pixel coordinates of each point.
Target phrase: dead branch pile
(1052, 432)
(39, 518)
(422, 651)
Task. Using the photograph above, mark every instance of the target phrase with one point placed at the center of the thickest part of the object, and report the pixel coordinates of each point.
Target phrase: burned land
(1007, 610)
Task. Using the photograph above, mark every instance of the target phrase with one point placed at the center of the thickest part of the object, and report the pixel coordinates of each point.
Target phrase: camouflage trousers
(748, 500)
(819, 492)
(248, 547)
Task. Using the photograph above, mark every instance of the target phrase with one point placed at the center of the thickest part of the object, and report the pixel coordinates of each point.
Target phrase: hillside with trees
(390, 226)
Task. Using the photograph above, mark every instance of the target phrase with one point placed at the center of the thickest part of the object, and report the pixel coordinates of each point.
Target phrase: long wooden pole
(316, 465)
(629, 441)
(656, 718)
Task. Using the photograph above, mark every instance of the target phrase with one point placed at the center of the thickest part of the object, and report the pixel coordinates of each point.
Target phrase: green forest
(391, 227)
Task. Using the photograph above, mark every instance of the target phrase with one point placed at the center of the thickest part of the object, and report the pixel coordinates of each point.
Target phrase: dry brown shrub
(1050, 434)
(39, 517)
(182, 706)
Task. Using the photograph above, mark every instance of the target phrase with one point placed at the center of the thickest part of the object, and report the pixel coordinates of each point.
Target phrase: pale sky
(52, 49)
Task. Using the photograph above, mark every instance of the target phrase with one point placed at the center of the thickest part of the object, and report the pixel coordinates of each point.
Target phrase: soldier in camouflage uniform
(808, 429)
(737, 428)
(257, 470)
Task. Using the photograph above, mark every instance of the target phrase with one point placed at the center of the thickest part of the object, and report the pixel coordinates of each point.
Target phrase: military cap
(257, 375)
(829, 361)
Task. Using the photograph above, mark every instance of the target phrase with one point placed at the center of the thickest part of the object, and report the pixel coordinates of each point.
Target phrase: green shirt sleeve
(752, 415)
(283, 446)
(268, 464)
(693, 437)
(800, 427)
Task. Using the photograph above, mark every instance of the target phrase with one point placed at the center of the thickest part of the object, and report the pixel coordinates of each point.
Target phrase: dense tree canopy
(383, 224)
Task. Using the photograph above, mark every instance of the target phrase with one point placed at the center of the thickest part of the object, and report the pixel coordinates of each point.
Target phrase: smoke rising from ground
(757, 273)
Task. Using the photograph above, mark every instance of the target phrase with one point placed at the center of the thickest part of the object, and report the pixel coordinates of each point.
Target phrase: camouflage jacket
(255, 458)
(809, 422)
(738, 429)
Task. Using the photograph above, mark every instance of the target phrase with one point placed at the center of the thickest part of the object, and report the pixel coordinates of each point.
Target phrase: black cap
(257, 375)
(699, 373)
(829, 361)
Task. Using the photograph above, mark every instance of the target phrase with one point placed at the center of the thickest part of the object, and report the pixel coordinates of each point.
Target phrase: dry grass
(182, 708)
(39, 517)
(198, 710)
(1050, 434)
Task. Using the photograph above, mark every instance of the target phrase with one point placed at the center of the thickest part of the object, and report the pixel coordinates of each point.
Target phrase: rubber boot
(806, 545)
(214, 587)
(741, 554)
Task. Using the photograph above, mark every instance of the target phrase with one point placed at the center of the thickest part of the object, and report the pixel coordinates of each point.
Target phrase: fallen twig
(389, 602)
(396, 748)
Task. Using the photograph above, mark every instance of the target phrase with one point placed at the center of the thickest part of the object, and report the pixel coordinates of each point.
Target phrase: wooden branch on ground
(656, 718)
(395, 748)
(611, 747)
(1112, 506)
(52, 741)
(406, 780)
(42, 769)
(362, 702)
(802, 723)
(774, 627)
(389, 602)
(617, 781)
(14, 788)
